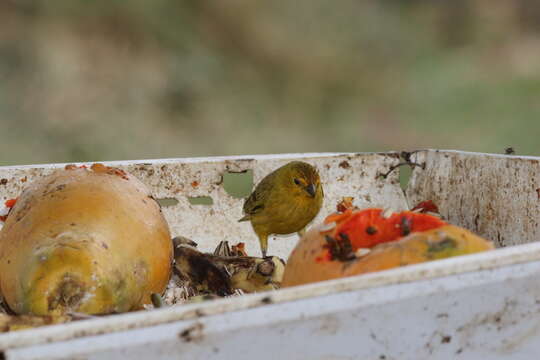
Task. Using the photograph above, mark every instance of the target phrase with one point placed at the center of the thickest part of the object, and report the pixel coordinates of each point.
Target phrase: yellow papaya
(312, 260)
(89, 240)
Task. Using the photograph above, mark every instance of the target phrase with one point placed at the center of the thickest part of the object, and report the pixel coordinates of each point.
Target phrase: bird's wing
(255, 202)
(253, 205)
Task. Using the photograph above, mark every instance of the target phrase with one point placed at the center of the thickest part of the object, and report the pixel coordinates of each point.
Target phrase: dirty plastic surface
(181, 179)
(479, 305)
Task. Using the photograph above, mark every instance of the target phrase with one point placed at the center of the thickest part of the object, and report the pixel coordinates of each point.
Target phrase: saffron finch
(284, 202)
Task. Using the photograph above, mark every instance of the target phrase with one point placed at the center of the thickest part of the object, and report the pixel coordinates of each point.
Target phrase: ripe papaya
(89, 240)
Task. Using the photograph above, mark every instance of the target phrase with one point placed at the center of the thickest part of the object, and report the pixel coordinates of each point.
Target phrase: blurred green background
(109, 80)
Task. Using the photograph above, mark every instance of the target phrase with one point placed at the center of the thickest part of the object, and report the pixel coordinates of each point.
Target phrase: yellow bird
(284, 202)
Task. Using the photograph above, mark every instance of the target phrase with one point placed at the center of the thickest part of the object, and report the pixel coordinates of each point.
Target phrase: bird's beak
(311, 190)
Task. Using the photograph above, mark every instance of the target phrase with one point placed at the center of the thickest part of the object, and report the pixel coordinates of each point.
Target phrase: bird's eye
(297, 182)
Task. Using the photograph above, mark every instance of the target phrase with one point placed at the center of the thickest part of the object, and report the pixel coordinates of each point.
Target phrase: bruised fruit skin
(441, 243)
(303, 267)
(84, 241)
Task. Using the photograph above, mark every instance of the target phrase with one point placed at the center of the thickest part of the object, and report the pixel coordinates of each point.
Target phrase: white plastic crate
(483, 305)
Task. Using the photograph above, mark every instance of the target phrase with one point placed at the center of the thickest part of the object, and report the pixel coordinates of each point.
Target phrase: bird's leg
(263, 240)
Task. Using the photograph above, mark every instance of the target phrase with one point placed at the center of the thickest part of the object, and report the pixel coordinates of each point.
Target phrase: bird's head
(303, 179)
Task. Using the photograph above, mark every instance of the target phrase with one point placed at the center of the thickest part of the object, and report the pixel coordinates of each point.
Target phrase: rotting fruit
(87, 240)
(362, 241)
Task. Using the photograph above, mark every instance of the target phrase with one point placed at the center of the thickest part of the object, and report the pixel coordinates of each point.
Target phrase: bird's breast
(290, 217)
